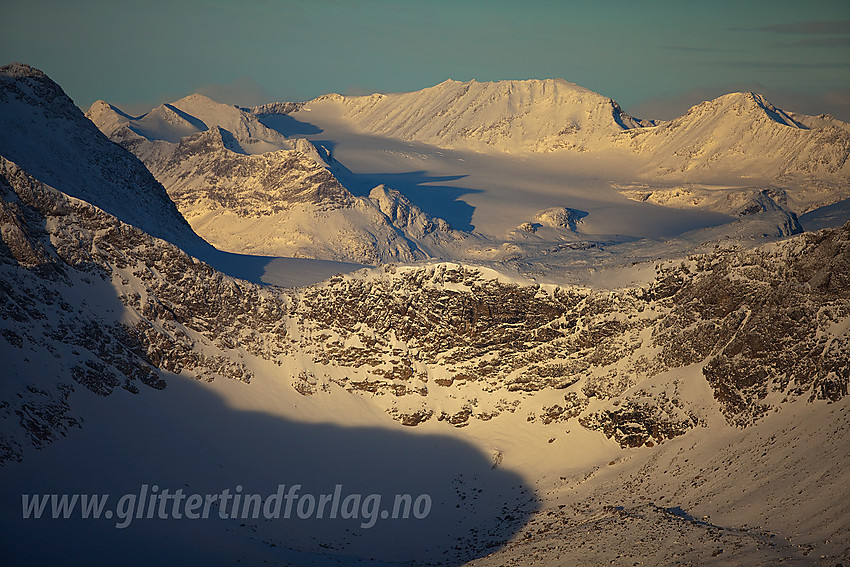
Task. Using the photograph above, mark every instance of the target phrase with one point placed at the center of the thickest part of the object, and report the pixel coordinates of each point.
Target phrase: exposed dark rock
(634, 425)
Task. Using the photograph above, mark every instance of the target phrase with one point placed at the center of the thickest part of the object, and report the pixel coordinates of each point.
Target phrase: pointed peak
(752, 103)
(101, 107)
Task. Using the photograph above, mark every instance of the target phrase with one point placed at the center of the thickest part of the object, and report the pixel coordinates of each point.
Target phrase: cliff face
(765, 326)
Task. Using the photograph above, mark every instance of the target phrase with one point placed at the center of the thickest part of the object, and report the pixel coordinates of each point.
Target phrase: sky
(656, 58)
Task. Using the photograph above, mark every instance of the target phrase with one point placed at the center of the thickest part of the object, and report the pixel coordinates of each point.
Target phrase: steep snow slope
(513, 116)
(43, 132)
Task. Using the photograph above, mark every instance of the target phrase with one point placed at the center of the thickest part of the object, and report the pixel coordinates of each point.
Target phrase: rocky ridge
(44, 132)
(229, 195)
(447, 342)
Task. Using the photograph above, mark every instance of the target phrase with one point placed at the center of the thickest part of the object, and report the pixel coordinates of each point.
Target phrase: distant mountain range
(248, 182)
(510, 116)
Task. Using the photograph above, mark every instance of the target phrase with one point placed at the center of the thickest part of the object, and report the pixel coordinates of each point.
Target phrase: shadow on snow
(188, 437)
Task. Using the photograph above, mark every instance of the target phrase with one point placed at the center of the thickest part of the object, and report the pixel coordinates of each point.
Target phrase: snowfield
(475, 164)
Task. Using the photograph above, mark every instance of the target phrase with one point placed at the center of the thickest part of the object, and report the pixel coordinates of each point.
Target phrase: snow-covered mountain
(547, 382)
(737, 134)
(43, 132)
(512, 116)
(742, 135)
(747, 160)
(247, 189)
(692, 408)
(190, 115)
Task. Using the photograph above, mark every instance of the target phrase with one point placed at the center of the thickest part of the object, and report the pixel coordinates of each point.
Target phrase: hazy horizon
(655, 59)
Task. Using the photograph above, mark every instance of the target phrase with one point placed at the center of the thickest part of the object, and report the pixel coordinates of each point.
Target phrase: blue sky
(654, 58)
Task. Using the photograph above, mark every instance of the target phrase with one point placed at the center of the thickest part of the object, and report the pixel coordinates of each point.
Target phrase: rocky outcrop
(766, 322)
(442, 342)
(203, 169)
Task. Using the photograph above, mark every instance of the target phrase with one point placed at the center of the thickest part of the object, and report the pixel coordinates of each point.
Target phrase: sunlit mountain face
(479, 324)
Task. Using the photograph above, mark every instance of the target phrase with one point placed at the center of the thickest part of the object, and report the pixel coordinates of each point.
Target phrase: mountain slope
(43, 132)
(93, 308)
(512, 116)
(548, 382)
(700, 416)
(742, 135)
(280, 202)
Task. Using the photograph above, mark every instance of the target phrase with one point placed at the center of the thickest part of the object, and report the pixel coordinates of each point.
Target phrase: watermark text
(152, 502)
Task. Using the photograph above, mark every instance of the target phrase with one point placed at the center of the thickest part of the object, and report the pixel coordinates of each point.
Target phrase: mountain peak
(529, 115)
(22, 70)
(44, 133)
(750, 99)
(28, 83)
(101, 107)
(745, 103)
(197, 98)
